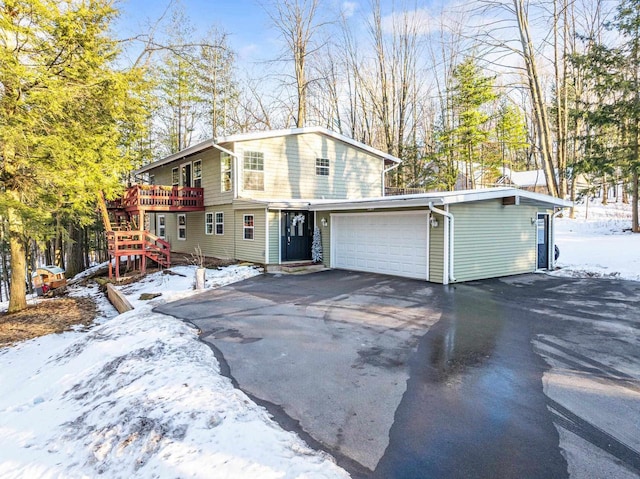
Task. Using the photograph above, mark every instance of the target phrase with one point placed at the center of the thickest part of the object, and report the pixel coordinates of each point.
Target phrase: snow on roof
(528, 178)
(259, 135)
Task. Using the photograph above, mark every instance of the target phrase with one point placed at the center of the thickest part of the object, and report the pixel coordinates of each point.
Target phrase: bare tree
(297, 21)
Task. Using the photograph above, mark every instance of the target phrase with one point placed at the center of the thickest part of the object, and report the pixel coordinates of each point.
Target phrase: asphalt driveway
(529, 376)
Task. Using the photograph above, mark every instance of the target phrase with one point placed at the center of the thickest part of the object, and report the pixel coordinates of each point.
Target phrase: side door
(543, 240)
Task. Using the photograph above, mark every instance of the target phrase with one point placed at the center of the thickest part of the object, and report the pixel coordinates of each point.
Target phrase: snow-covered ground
(139, 396)
(595, 243)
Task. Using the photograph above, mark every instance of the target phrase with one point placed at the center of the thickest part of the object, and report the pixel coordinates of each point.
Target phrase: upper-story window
(197, 174)
(175, 177)
(253, 170)
(225, 171)
(322, 166)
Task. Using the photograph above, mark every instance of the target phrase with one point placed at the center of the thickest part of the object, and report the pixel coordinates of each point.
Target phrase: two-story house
(257, 197)
(256, 191)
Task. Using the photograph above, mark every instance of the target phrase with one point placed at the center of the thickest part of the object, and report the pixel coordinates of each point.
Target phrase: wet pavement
(405, 379)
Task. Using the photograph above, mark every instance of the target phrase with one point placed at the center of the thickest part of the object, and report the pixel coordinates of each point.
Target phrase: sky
(251, 34)
(244, 20)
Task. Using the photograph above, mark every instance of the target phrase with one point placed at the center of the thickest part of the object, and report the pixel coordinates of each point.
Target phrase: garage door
(386, 243)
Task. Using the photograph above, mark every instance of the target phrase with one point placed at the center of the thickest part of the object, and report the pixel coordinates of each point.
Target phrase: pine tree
(69, 118)
(316, 246)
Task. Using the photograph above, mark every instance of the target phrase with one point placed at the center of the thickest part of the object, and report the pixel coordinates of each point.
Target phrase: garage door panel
(393, 244)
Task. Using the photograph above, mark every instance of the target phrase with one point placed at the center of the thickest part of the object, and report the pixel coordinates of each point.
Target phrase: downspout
(384, 174)
(451, 232)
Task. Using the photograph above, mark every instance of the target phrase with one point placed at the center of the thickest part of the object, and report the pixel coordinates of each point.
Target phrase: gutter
(384, 173)
(450, 238)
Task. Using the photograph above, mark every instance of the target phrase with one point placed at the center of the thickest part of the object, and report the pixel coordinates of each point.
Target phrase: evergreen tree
(511, 134)
(68, 121)
(612, 142)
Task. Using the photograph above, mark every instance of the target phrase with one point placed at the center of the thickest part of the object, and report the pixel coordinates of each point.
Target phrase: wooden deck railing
(139, 243)
(162, 198)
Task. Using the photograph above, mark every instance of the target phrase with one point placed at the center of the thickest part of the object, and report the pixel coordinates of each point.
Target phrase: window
(182, 227)
(208, 223)
(219, 223)
(197, 174)
(161, 230)
(322, 166)
(225, 171)
(248, 227)
(152, 179)
(175, 177)
(253, 170)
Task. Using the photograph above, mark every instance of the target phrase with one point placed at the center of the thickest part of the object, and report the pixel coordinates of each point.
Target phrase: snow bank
(139, 396)
(596, 245)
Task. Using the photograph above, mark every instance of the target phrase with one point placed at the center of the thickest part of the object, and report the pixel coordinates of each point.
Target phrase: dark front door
(297, 233)
(543, 241)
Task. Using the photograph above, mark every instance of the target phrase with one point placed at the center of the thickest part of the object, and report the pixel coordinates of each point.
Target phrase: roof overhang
(441, 198)
(261, 135)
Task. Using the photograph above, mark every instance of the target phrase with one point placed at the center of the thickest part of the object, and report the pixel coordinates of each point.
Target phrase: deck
(160, 198)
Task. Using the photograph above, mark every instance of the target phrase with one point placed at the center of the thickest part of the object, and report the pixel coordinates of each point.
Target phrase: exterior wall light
(323, 221)
(434, 222)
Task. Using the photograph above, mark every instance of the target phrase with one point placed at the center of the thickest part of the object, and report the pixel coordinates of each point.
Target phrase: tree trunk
(18, 293)
(537, 99)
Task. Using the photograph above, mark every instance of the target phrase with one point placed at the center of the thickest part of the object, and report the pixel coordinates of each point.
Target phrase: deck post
(117, 266)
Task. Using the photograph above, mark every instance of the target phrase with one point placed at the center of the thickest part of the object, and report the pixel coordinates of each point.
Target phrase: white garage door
(388, 243)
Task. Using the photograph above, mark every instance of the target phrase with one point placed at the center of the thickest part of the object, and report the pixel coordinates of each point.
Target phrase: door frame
(547, 232)
(190, 165)
(310, 219)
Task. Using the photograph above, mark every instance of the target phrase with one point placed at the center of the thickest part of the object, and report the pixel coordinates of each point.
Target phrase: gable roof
(260, 135)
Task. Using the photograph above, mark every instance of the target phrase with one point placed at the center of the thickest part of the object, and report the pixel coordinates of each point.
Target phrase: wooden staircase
(123, 239)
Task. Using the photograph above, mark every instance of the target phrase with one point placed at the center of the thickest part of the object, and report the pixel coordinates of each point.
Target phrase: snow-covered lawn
(139, 396)
(598, 246)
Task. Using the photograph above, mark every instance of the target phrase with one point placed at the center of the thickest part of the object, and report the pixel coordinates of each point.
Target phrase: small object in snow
(172, 273)
(38, 400)
(148, 296)
(556, 252)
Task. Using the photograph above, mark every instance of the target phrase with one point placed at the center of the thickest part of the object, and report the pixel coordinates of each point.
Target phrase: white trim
(158, 216)
(394, 213)
(193, 174)
(178, 227)
(181, 176)
(253, 228)
(332, 242)
(213, 217)
(279, 236)
(428, 243)
(547, 239)
(445, 250)
(215, 223)
(266, 236)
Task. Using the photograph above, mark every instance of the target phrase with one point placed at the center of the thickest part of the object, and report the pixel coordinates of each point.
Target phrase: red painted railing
(160, 197)
(134, 243)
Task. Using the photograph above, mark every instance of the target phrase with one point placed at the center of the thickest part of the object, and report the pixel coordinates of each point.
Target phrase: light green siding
(493, 240)
(221, 246)
(251, 250)
(211, 176)
(325, 236)
(274, 237)
(436, 250)
(290, 168)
